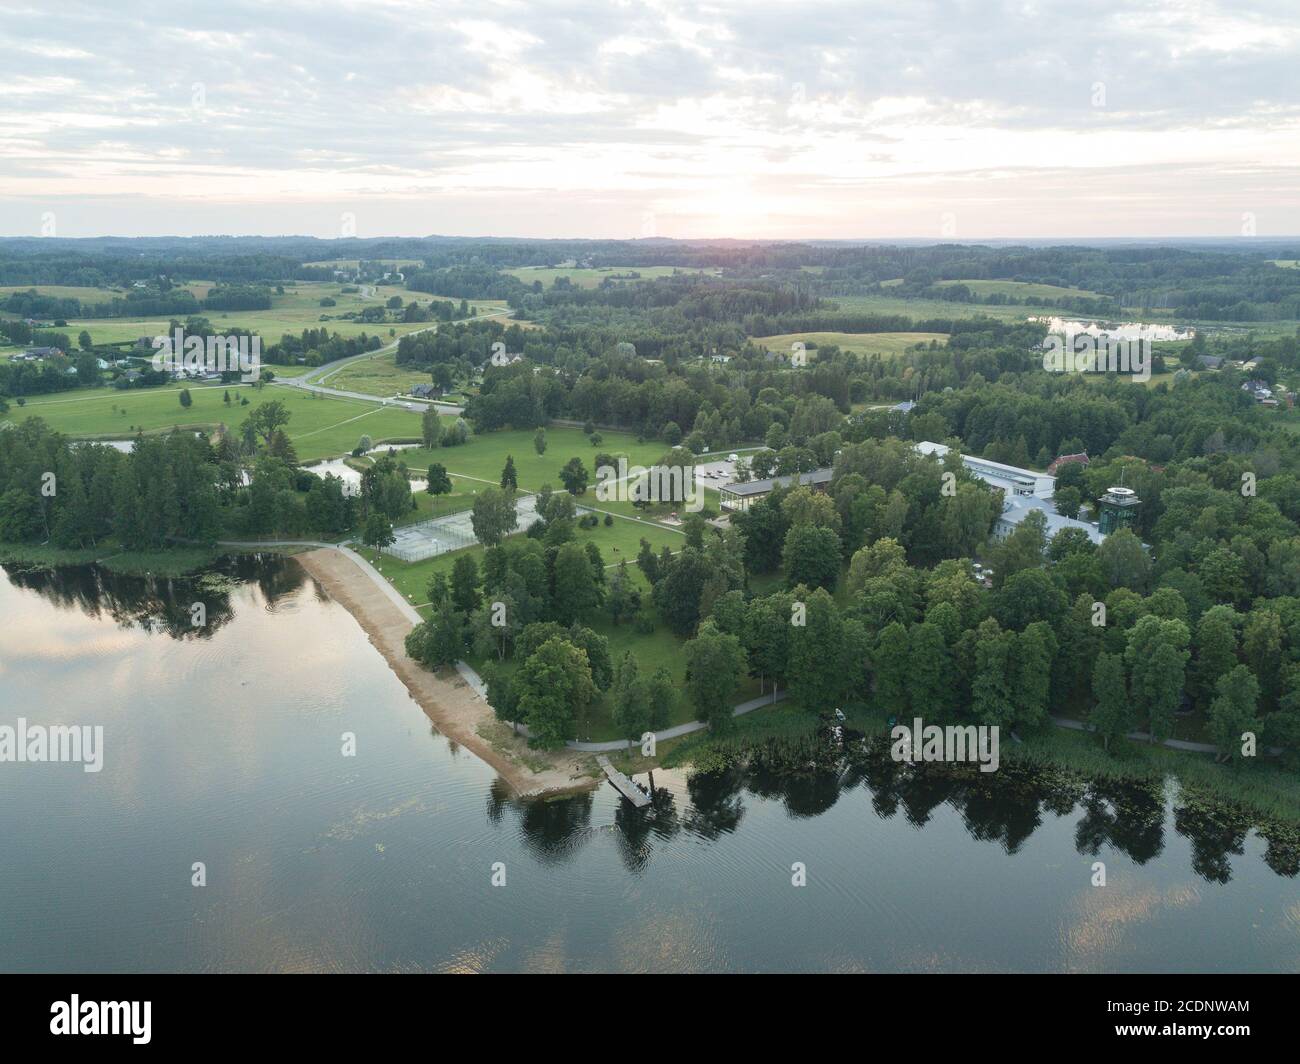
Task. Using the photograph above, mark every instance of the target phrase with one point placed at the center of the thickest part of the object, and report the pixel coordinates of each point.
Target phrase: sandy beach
(453, 706)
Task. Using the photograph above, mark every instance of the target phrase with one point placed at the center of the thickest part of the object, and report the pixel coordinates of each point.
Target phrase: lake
(1125, 330)
(224, 745)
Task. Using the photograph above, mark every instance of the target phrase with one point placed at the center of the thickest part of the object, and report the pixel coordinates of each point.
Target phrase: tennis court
(441, 535)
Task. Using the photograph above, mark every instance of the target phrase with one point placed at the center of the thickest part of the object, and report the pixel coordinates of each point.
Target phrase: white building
(1023, 491)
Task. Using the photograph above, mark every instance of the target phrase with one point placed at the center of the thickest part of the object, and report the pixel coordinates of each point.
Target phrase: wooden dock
(622, 784)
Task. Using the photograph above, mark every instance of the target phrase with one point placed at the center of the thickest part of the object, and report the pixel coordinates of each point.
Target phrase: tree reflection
(1129, 817)
(151, 604)
(1005, 808)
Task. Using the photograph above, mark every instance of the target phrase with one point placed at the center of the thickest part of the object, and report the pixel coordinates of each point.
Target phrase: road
(306, 381)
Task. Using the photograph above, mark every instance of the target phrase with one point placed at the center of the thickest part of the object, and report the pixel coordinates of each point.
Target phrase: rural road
(306, 381)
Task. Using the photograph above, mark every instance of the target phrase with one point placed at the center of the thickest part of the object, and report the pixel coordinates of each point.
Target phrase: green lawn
(377, 375)
(616, 542)
(485, 456)
(318, 426)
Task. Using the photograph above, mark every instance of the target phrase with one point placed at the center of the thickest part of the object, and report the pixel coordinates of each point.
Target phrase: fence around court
(428, 539)
(444, 534)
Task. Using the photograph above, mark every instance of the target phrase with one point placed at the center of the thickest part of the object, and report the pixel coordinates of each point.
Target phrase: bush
(609, 520)
(644, 624)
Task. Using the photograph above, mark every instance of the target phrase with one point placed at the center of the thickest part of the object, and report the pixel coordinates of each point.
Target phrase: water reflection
(1004, 810)
(1117, 330)
(230, 745)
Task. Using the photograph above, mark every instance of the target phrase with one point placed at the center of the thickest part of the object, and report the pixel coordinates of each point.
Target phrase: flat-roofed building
(1011, 479)
(1023, 492)
(741, 496)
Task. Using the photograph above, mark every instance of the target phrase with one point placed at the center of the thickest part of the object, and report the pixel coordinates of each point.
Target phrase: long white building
(1023, 491)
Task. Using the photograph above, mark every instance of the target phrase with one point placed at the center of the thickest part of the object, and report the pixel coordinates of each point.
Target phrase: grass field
(1024, 290)
(477, 465)
(887, 344)
(297, 309)
(590, 278)
(61, 291)
(618, 541)
(377, 375)
(352, 264)
(919, 309)
(318, 426)
(484, 456)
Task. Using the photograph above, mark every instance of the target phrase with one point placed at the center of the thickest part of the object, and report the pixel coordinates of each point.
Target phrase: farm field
(1024, 289)
(352, 264)
(590, 278)
(920, 309)
(318, 426)
(297, 309)
(888, 344)
(62, 291)
(377, 375)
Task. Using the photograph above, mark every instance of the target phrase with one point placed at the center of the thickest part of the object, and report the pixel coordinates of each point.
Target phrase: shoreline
(453, 706)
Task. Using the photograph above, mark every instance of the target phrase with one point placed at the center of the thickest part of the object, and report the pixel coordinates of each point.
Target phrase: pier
(622, 784)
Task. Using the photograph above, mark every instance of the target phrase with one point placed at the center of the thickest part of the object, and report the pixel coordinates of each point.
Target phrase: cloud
(849, 115)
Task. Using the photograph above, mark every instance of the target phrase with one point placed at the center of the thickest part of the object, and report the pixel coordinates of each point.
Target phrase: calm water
(225, 748)
(1124, 330)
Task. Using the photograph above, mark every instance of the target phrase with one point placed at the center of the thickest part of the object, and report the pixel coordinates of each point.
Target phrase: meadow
(296, 309)
(319, 426)
(921, 309)
(1024, 290)
(378, 375)
(585, 277)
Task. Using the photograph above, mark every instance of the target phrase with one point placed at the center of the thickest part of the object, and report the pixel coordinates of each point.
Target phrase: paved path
(466, 670)
(395, 596)
(475, 681)
(1145, 737)
(306, 381)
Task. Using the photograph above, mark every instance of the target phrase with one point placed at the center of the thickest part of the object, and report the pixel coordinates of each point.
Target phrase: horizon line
(658, 239)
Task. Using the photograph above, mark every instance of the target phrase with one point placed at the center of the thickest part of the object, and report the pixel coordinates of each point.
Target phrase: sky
(956, 120)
